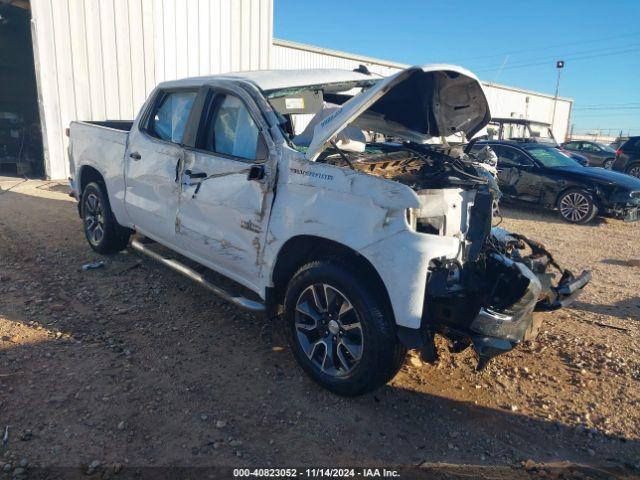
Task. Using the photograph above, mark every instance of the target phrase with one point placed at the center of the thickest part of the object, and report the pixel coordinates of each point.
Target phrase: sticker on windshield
(294, 103)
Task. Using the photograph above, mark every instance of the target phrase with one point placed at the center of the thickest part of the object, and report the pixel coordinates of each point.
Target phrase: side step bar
(239, 301)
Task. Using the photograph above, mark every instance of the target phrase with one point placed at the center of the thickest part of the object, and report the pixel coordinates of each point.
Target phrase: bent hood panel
(417, 103)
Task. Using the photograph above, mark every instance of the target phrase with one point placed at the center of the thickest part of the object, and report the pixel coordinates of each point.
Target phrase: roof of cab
(519, 121)
(276, 79)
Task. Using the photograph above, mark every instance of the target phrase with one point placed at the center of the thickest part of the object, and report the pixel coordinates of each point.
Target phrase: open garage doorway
(20, 129)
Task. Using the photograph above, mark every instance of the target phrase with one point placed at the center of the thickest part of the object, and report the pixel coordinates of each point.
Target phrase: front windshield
(540, 131)
(552, 157)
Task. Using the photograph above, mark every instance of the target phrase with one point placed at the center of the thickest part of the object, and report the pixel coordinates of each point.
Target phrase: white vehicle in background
(366, 237)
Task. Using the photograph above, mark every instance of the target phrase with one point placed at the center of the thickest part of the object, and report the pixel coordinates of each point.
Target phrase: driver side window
(510, 157)
(231, 130)
(588, 147)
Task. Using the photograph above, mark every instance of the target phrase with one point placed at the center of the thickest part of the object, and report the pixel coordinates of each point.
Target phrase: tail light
(618, 152)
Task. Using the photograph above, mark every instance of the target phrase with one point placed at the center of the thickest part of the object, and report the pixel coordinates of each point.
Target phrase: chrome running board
(188, 272)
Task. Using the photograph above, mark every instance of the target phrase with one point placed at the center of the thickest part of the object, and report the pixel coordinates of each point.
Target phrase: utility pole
(559, 67)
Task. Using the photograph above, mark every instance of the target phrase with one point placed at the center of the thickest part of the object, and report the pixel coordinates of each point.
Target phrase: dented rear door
(225, 196)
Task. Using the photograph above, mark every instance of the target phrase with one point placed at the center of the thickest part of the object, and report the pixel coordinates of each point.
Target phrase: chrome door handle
(135, 155)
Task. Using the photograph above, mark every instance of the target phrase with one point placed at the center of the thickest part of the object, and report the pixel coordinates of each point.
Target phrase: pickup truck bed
(124, 125)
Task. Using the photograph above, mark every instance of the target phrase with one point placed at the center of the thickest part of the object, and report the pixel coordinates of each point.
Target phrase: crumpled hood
(417, 104)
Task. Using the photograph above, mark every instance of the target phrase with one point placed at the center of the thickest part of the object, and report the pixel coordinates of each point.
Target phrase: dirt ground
(133, 366)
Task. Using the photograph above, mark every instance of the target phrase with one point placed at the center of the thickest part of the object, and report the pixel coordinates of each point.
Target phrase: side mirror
(256, 172)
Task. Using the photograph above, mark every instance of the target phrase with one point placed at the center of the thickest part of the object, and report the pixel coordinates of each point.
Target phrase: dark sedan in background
(527, 130)
(628, 157)
(598, 154)
(542, 175)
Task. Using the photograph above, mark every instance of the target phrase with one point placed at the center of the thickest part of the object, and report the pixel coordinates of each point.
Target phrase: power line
(602, 49)
(607, 108)
(607, 105)
(549, 61)
(571, 56)
(537, 49)
(602, 114)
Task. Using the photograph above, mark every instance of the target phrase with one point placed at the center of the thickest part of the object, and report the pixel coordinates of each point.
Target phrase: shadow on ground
(627, 308)
(139, 367)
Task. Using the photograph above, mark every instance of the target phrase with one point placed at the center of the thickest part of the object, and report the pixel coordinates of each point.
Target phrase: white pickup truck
(329, 197)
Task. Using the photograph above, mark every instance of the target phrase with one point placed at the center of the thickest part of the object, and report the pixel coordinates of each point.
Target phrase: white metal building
(99, 59)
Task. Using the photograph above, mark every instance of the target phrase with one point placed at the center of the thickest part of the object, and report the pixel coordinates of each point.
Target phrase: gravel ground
(132, 366)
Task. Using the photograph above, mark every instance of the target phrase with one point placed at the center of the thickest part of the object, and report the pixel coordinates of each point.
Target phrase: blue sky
(509, 42)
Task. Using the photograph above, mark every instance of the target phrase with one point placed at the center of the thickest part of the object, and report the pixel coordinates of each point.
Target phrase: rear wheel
(634, 170)
(338, 331)
(103, 232)
(577, 206)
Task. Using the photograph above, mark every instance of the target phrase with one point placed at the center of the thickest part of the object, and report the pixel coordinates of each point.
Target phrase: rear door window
(169, 118)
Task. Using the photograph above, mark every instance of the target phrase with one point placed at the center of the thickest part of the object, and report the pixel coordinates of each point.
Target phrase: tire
(577, 206)
(101, 229)
(608, 163)
(634, 170)
(364, 352)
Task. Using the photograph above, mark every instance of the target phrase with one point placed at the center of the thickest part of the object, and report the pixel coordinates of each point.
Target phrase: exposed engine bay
(417, 166)
(486, 295)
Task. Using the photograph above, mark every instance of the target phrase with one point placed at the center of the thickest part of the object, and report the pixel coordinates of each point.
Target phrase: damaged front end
(483, 284)
(488, 301)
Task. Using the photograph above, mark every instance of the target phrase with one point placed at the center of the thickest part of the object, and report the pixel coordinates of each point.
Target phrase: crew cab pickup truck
(331, 198)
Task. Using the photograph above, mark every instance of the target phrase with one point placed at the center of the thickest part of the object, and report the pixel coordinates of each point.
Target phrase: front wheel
(577, 206)
(634, 170)
(103, 232)
(608, 163)
(338, 330)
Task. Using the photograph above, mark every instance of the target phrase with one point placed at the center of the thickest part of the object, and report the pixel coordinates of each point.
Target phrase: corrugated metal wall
(503, 101)
(99, 59)
(291, 55)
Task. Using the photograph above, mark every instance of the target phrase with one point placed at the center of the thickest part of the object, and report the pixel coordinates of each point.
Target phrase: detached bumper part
(496, 332)
(565, 293)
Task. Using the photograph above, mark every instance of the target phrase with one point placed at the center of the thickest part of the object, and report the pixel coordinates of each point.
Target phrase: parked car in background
(598, 154)
(525, 130)
(628, 157)
(617, 142)
(539, 174)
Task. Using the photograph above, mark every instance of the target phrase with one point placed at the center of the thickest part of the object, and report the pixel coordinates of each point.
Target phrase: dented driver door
(225, 193)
